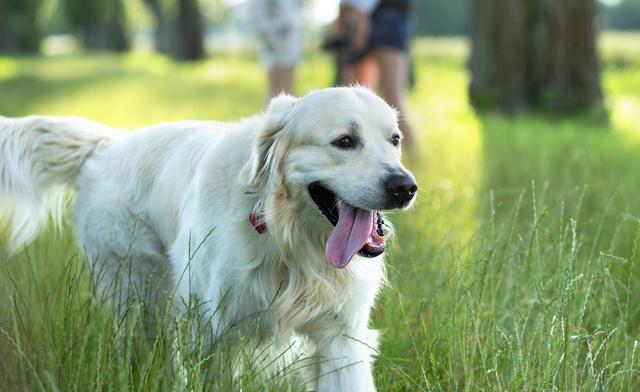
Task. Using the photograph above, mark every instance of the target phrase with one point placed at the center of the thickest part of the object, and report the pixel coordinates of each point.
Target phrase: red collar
(259, 227)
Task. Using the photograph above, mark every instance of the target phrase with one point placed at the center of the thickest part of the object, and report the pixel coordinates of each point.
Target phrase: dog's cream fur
(176, 198)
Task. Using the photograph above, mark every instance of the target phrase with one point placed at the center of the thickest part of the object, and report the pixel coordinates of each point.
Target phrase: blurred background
(541, 54)
(517, 269)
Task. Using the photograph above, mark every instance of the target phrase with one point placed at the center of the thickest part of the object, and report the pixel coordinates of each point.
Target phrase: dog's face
(339, 150)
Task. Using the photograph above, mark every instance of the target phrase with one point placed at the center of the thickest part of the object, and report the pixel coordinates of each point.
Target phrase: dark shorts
(390, 29)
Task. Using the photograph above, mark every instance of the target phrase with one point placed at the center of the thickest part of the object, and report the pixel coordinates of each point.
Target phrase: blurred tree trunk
(190, 45)
(163, 31)
(534, 53)
(100, 24)
(179, 30)
(19, 28)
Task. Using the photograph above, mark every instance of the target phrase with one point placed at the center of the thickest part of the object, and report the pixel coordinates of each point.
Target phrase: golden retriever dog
(279, 214)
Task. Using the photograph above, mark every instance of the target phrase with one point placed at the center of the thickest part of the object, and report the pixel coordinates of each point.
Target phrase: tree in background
(534, 53)
(100, 24)
(19, 28)
(440, 17)
(623, 16)
(179, 28)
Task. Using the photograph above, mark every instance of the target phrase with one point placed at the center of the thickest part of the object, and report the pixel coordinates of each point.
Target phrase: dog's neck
(257, 222)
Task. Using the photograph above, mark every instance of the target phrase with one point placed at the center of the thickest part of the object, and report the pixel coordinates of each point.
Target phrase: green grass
(518, 268)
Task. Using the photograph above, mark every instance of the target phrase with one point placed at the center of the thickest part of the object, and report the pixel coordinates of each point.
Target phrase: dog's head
(335, 154)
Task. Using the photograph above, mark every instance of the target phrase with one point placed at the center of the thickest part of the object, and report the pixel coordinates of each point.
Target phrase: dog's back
(41, 157)
(150, 173)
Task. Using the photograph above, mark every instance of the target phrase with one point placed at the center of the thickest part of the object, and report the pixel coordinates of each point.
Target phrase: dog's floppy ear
(271, 144)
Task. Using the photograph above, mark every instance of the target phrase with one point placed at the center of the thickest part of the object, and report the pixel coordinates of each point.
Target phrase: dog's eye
(345, 142)
(395, 140)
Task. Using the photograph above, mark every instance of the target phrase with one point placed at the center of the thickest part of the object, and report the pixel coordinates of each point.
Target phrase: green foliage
(623, 16)
(20, 29)
(100, 24)
(438, 17)
(450, 17)
(517, 269)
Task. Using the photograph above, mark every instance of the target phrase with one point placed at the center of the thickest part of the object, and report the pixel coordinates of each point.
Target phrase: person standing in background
(377, 54)
(277, 24)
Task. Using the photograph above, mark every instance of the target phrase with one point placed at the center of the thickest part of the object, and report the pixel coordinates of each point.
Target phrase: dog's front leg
(346, 362)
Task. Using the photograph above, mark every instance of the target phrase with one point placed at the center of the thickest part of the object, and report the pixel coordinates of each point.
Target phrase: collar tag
(259, 227)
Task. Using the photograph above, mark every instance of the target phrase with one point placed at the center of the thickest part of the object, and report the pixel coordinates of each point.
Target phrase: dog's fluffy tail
(40, 158)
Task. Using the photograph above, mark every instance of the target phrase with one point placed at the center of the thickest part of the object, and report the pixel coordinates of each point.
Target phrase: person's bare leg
(280, 81)
(368, 72)
(348, 75)
(394, 83)
(364, 73)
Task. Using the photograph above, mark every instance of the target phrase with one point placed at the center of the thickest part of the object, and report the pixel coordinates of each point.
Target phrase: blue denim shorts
(390, 29)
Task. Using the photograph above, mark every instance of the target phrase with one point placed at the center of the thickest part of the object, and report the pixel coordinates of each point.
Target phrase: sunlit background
(517, 269)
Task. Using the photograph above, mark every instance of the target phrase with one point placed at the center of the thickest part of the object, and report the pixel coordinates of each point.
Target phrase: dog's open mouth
(355, 231)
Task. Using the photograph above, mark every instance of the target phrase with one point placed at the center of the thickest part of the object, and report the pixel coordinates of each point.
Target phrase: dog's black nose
(401, 188)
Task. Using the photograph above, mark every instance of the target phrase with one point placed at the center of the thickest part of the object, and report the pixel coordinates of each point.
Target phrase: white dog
(278, 213)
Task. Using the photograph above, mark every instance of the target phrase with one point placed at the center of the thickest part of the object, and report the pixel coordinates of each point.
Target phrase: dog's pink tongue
(349, 235)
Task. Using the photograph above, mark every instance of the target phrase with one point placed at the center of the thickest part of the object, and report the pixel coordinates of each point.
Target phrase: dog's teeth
(380, 222)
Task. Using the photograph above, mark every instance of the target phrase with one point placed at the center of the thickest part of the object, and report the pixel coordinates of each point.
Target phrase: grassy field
(518, 269)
